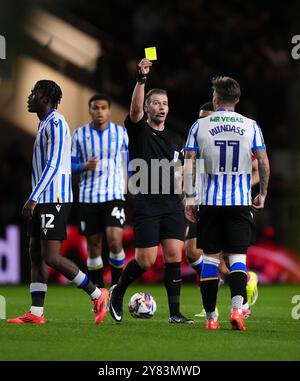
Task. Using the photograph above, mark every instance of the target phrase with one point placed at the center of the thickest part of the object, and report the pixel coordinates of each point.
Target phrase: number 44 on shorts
(119, 214)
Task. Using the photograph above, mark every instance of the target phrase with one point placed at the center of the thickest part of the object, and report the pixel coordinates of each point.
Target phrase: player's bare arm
(264, 175)
(28, 209)
(189, 177)
(255, 173)
(137, 100)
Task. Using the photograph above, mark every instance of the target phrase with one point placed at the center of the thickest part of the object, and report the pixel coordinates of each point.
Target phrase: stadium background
(95, 46)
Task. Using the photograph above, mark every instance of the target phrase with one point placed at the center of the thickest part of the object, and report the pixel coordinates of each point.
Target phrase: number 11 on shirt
(235, 144)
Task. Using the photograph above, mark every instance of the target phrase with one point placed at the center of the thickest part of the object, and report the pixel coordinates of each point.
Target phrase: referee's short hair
(100, 97)
(154, 91)
(228, 89)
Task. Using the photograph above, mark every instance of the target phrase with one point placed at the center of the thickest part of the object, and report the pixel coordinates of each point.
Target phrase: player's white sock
(211, 315)
(237, 302)
(94, 263)
(37, 311)
(245, 306)
(117, 259)
(96, 294)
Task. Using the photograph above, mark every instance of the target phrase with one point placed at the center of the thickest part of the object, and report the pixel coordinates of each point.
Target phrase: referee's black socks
(132, 271)
(173, 284)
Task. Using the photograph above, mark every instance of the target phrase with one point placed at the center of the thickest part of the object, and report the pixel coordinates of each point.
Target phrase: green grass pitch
(70, 333)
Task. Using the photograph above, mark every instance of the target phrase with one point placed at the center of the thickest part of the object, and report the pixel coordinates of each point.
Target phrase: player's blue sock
(210, 268)
(116, 262)
(209, 282)
(95, 270)
(82, 281)
(38, 292)
(238, 279)
(197, 265)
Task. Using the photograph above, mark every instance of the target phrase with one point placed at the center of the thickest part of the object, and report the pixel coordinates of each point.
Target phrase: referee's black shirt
(147, 143)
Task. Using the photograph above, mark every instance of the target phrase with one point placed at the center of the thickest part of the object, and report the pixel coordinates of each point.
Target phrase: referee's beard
(159, 120)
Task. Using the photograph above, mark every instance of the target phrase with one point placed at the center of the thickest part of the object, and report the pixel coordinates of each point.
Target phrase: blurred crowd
(195, 41)
(15, 172)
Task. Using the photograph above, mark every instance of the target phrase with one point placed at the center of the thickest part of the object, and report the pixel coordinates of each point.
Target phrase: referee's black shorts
(225, 228)
(150, 230)
(192, 230)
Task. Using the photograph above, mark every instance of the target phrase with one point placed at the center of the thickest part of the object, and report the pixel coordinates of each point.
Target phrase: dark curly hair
(51, 90)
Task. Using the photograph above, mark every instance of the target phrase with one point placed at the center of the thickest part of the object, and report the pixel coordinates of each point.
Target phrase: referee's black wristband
(141, 77)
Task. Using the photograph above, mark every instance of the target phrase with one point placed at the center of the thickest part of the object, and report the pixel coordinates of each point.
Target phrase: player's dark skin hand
(91, 164)
(28, 209)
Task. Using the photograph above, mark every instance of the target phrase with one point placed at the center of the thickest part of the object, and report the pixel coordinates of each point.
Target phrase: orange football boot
(100, 305)
(28, 318)
(212, 324)
(237, 321)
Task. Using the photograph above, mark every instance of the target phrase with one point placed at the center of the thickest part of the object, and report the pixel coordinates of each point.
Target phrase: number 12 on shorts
(235, 144)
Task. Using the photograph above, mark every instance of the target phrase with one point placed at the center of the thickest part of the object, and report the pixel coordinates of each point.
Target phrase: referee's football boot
(116, 304)
(180, 319)
(27, 318)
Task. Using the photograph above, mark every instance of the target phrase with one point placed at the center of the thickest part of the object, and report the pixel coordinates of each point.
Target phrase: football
(142, 305)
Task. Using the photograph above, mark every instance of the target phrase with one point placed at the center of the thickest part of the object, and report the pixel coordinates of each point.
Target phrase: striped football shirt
(225, 141)
(51, 162)
(110, 146)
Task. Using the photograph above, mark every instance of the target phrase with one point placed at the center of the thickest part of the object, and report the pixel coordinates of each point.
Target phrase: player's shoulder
(56, 118)
(245, 119)
(198, 122)
(119, 127)
(80, 129)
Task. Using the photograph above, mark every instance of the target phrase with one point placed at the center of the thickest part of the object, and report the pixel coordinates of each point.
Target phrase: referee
(158, 216)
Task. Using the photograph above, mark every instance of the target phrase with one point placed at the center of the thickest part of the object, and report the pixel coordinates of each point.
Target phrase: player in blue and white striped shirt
(49, 204)
(225, 141)
(99, 153)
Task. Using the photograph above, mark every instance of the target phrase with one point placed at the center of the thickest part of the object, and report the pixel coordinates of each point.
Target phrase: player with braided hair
(48, 206)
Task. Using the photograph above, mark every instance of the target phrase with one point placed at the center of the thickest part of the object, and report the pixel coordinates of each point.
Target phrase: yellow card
(150, 53)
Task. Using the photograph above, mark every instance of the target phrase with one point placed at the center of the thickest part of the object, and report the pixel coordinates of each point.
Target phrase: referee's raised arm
(137, 100)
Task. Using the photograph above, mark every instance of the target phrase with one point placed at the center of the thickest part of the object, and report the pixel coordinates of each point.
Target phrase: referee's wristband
(141, 77)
